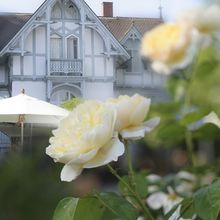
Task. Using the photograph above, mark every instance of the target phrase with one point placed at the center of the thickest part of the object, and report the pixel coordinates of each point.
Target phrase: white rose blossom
(166, 201)
(131, 113)
(85, 139)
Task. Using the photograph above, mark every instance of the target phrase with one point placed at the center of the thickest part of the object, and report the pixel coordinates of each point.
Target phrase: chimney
(107, 9)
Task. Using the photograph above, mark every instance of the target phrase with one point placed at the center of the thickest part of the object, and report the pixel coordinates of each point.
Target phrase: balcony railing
(66, 67)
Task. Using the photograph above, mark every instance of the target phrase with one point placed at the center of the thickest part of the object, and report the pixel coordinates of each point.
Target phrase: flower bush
(97, 133)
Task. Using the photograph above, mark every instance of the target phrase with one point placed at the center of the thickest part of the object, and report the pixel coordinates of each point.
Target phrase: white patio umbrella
(22, 109)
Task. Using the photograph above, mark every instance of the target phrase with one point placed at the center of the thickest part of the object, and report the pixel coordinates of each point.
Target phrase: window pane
(72, 48)
(129, 63)
(55, 48)
(71, 12)
(136, 61)
(56, 12)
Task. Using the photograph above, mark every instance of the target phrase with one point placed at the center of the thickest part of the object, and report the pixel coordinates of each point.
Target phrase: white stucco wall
(28, 65)
(99, 67)
(28, 44)
(35, 89)
(40, 40)
(40, 65)
(98, 90)
(97, 64)
(16, 65)
(110, 66)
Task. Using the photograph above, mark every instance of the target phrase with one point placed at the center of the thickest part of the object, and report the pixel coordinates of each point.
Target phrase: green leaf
(206, 77)
(140, 184)
(207, 201)
(118, 205)
(192, 117)
(89, 208)
(187, 208)
(75, 209)
(66, 209)
(172, 133)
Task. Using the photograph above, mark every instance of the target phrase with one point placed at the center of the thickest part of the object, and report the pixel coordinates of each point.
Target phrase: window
(134, 63)
(56, 11)
(71, 12)
(72, 47)
(55, 47)
(61, 96)
(129, 62)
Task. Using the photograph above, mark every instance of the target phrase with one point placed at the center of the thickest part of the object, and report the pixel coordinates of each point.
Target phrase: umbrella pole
(22, 135)
(21, 123)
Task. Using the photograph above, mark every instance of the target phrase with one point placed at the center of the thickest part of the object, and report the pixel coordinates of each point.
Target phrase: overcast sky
(134, 8)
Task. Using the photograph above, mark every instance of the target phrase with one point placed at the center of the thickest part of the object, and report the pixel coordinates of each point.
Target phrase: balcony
(66, 67)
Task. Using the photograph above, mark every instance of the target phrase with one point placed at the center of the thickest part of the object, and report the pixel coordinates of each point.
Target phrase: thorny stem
(147, 214)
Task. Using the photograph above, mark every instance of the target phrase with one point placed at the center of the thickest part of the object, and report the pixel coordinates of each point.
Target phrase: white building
(64, 50)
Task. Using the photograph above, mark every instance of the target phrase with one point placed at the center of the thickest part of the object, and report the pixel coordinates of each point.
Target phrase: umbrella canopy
(23, 109)
(30, 110)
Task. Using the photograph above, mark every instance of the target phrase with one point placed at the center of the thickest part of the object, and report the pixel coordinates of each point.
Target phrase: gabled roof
(27, 22)
(119, 26)
(10, 24)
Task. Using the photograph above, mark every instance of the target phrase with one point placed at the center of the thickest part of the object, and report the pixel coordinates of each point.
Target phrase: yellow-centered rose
(168, 46)
(131, 113)
(172, 46)
(84, 139)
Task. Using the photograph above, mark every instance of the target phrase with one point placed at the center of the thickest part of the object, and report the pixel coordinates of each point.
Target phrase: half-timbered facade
(64, 50)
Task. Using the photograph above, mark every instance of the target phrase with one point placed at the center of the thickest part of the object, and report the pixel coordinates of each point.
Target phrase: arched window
(71, 11)
(72, 47)
(56, 11)
(55, 46)
(63, 93)
(60, 96)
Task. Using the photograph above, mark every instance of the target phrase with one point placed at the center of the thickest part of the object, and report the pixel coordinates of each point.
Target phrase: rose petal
(109, 152)
(59, 157)
(141, 109)
(151, 124)
(212, 118)
(133, 133)
(83, 158)
(157, 200)
(70, 172)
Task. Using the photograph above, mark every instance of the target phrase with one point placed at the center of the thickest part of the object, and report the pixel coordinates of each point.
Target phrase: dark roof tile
(10, 24)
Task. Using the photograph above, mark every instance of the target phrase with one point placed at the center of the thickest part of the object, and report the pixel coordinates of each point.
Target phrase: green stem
(130, 167)
(188, 134)
(190, 147)
(147, 214)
